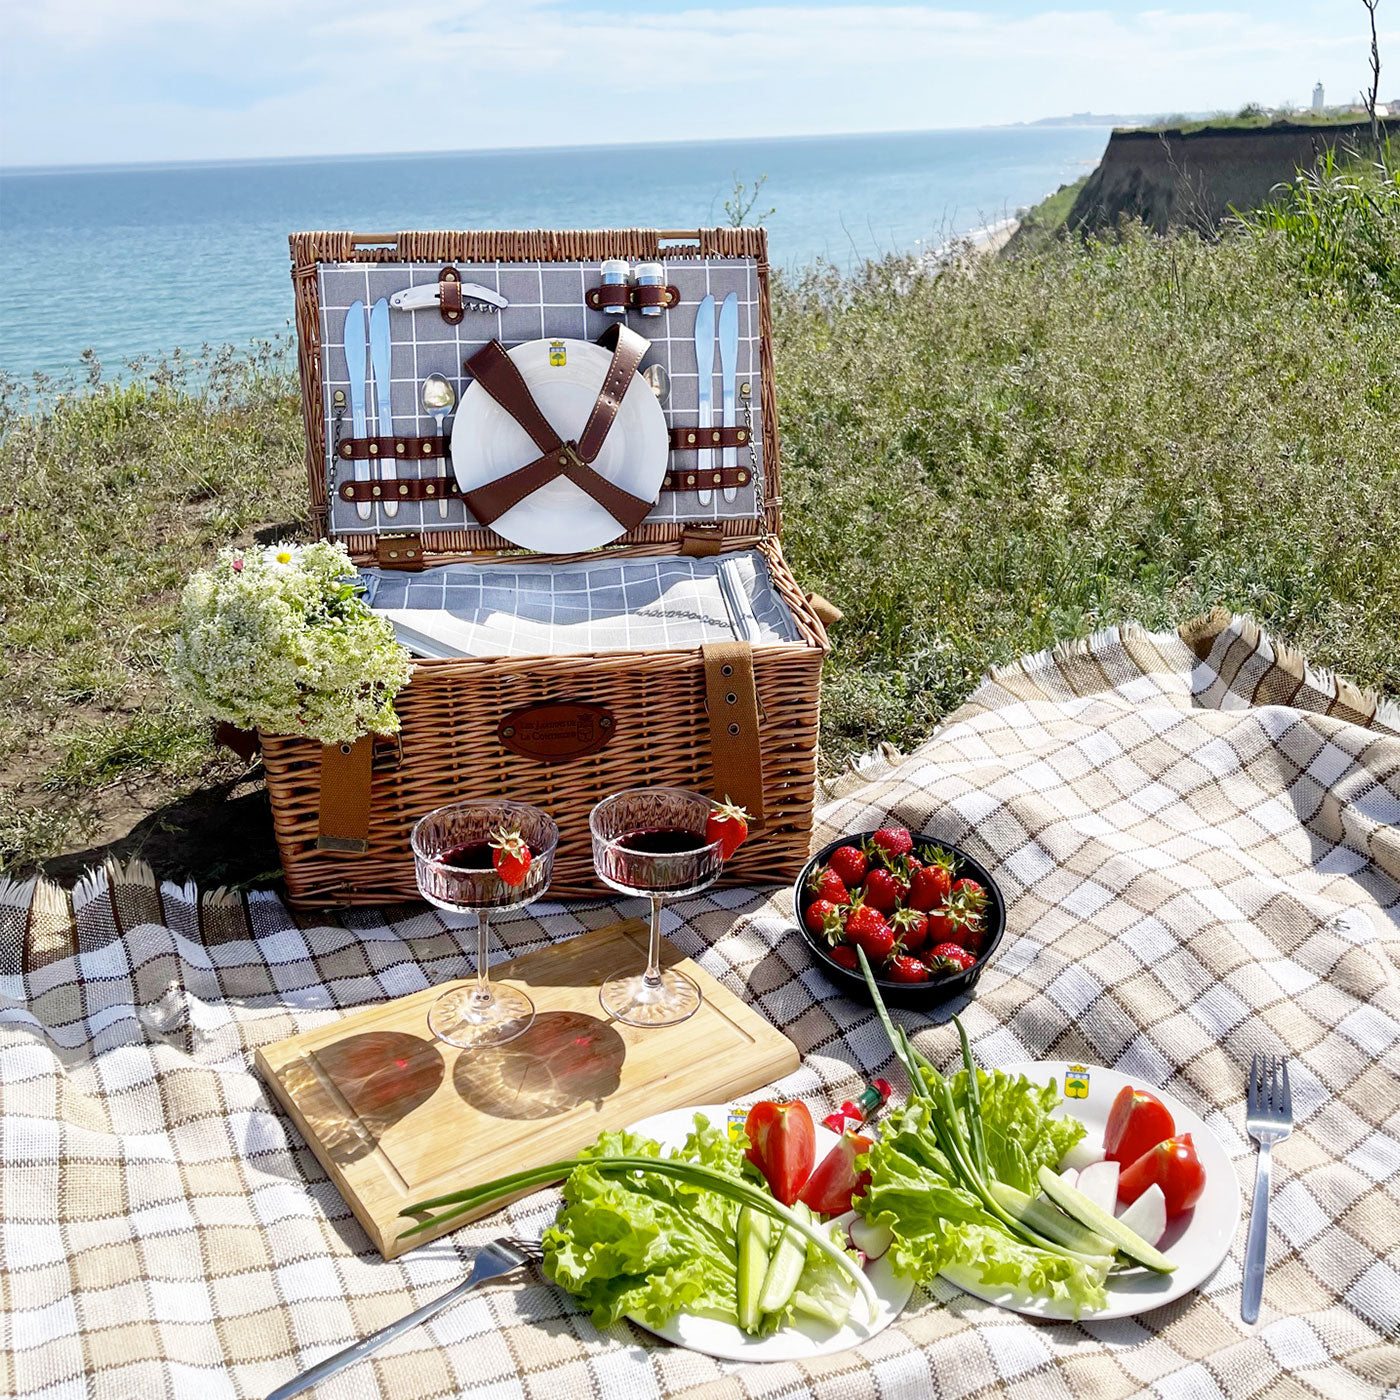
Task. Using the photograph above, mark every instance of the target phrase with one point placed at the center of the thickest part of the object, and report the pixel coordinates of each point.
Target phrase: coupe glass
(452, 861)
(652, 842)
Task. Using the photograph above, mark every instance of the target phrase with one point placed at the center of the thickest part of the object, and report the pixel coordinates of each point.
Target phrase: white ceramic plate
(561, 518)
(1196, 1241)
(806, 1337)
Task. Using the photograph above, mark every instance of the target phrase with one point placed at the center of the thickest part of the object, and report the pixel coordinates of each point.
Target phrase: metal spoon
(660, 381)
(438, 398)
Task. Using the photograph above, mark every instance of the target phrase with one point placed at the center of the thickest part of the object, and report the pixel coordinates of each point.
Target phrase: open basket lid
(378, 314)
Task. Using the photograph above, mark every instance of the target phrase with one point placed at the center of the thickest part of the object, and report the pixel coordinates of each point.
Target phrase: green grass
(1046, 219)
(977, 463)
(1248, 119)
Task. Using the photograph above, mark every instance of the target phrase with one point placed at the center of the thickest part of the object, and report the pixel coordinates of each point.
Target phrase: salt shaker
(649, 274)
(615, 275)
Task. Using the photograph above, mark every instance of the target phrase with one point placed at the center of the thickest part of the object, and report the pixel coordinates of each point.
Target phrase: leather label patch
(556, 730)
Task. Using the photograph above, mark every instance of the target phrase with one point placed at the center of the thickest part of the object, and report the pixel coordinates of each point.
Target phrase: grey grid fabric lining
(1194, 870)
(546, 301)
(566, 609)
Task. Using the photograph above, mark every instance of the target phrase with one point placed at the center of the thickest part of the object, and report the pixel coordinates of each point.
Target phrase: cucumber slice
(784, 1267)
(755, 1237)
(1077, 1204)
(1045, 1219)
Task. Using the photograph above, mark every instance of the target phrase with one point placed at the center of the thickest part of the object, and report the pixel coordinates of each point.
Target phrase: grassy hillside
(977, 462)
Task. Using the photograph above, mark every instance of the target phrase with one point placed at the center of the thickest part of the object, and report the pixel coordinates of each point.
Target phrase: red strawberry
(911, 928)
(949, 957)
(881, 891)
(944, 923)
(825, 883)
(931, 885)
(843, 955)
(850, 864)
(824, 918)
(894, 841)
(970, 933)
(866, 928)
(511, 856)
(902, 968)
(972, 895)
(728, 824)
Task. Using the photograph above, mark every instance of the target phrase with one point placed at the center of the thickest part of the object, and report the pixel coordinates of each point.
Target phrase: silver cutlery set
(729, 372)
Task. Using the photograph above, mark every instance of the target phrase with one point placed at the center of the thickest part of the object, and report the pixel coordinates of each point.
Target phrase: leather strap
(731, 700)
(827, 612)
(692, 439)
(450, 295)
(346, 773)
(424, 488)
(400, 449)
(701, 541)
(705, 480)
(498, 375)
(633, 297)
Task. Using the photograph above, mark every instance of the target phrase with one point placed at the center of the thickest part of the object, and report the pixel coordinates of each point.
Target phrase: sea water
(138, 260)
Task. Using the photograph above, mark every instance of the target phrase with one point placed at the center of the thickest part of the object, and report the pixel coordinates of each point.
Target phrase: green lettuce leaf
(941, 1227)
(1021, 1136)
(648, 1246)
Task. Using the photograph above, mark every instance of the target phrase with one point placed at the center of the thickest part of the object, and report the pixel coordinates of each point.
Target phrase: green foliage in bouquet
(278, 639)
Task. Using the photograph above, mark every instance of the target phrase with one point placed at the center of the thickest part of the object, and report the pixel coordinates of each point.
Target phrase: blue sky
(90, 81)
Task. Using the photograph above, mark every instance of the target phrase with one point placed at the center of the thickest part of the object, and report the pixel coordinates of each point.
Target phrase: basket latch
(346, 778)
(403, 551)
(702, 539)
(731, 702)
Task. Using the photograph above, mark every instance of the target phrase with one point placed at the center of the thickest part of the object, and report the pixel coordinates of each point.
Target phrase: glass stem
(481, 996)
(652, 976)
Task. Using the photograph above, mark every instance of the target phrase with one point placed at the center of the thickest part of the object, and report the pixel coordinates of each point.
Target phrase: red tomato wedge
(830, 1188)
(1137, 1122)
(1172, 1165)
(782, 1145)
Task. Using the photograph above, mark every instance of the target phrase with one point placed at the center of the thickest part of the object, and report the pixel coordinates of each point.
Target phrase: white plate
(561, 518)
(1196, 1241)
(806, 1337)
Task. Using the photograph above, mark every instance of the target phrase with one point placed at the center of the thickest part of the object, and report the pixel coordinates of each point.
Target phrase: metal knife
(705, 365)
(355, 370)
(380, 359)
(497, 1259)
(728, 374)
(475, 297)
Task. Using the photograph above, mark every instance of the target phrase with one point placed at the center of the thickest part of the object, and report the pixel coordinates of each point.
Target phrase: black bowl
(916, 994)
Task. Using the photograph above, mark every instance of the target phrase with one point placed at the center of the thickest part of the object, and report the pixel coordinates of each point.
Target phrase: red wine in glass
(652, 842)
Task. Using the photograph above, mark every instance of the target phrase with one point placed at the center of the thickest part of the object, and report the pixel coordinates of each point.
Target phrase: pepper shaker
(615, 272)
(649, 274)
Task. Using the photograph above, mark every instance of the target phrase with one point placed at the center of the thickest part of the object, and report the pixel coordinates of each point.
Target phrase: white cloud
(87, 80)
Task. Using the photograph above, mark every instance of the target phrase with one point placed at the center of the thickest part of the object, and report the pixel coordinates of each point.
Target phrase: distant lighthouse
(1317, 98)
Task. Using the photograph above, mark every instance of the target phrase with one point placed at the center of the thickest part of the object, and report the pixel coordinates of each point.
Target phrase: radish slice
(1100, 1183)
(1147, 1215)
(1083, 1154)
(871, 1240)
(1070, 1177)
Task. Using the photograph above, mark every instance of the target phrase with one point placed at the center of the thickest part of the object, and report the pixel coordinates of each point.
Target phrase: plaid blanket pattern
(1196, 838)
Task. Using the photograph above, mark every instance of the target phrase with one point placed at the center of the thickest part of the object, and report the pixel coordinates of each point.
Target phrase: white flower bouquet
(278, 639)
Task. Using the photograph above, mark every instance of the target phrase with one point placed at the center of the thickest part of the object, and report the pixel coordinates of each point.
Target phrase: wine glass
(452, 859)
(653, 842)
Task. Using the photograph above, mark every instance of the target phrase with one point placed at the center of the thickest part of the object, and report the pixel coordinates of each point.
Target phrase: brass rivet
(403, 490)
(393, 554)
(690, 437)
(400, 447)
(374, 449)
(733, 728)
(374, 491)
(718, 478)
(509, 731)
(604, 722)
(690, 480)
(430, 489)
(743, 478)
(563, 461)
(744, 388)
(427, 449)
(714, 436)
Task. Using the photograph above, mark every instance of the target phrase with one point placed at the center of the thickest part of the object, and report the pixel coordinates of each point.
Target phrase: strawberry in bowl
(928, 917)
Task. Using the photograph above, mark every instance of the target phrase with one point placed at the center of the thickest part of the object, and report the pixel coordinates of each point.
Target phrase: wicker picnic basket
(731, 718)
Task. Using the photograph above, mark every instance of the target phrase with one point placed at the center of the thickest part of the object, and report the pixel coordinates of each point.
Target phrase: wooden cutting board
(396, 1116)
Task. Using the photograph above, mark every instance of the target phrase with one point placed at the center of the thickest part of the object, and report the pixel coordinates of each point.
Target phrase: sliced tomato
(830, 1189)
(782, 1145)
(1172, 1165)
(1137, 1122)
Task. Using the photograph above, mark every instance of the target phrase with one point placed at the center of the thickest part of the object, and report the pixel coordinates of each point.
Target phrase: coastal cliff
(1194, 179)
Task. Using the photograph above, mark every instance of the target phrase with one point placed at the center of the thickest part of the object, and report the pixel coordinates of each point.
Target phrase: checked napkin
(1197, 839)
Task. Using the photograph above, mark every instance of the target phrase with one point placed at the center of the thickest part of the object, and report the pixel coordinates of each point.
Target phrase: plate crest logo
(1076, 1082)
(558, 356)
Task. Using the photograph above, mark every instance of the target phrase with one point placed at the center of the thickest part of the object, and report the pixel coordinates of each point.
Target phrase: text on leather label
(556, 731)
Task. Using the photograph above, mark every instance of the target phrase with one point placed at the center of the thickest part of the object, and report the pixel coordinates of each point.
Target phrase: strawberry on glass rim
(729, 825)
(511, 857)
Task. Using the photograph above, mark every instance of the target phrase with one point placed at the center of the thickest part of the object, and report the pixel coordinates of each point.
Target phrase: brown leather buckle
(399, 552)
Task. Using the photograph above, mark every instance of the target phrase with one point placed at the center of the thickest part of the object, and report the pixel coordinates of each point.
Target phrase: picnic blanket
(1197, 839)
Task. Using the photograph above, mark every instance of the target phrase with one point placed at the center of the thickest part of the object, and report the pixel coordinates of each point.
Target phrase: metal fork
(1269, 1119)
(495, 1260)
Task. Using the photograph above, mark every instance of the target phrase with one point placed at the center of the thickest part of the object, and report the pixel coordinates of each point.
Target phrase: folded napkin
(651, 604)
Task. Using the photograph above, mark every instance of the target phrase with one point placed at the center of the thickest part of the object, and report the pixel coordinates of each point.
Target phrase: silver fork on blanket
(1269, 1119)
(495, 1260)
